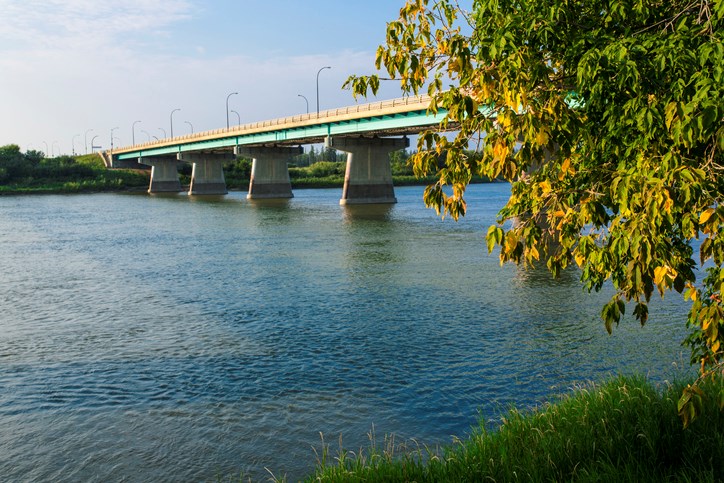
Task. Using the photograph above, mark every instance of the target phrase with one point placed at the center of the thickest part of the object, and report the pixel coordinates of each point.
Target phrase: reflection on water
(539, 276)
(280, 203)
(210, 199)
(147, 338)
(367, 212)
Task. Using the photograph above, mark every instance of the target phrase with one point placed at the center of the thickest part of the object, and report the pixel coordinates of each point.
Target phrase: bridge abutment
(207, 175)
(269, 171)
(164, 174)
(368, 177)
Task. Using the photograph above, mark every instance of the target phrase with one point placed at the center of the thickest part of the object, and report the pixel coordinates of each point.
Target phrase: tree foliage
(606, 117)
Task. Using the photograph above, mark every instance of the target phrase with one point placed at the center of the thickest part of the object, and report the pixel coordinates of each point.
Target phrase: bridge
(366, 132)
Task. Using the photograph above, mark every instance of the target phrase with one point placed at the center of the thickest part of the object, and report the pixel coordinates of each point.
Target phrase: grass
(623, 430)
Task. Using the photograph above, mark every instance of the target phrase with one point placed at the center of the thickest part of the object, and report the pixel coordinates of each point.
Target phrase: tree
(606, 117)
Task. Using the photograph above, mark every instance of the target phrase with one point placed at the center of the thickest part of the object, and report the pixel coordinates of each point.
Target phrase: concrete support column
(269, 171)
(368, 178)
(207, 175)
(164, 174)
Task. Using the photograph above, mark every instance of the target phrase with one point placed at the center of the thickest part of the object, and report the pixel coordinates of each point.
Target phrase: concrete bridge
(366, 132)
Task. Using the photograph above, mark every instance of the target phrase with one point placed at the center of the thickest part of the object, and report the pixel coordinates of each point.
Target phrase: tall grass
(623, 430)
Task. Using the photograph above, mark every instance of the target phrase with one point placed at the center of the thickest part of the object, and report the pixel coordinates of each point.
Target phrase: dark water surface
(150, 338)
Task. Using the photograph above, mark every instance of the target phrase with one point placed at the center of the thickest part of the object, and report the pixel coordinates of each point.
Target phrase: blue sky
(70, 66)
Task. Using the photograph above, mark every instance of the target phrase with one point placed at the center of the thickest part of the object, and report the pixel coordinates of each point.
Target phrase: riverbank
(622, 430)
(32, 173)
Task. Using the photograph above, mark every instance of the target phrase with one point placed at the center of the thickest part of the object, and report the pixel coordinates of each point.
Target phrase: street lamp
(112, 129)
(318, 72)
(305, 100)
(163, 131)
(72, 143)
(190, 125)
(93, 142)
(172, 120)
(238, 117)
(85, 140)
(133, 132)
(46, 149)
(227, 108)
(147, 134)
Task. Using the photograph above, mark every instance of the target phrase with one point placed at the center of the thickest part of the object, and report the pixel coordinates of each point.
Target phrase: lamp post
(163, 131)
(305, 100)
(133, 132)
(318, 72)
(227, 108)
(238, 117)
(46, 149)
(112, 129)
(93, 142)
(85, 140)
(72, 143)
(172, 120)
(147, 134)
(191, 126)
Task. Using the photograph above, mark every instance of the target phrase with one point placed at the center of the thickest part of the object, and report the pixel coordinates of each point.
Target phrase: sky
(71, 70)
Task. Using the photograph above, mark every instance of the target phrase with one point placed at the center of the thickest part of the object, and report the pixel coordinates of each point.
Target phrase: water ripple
(160, 338)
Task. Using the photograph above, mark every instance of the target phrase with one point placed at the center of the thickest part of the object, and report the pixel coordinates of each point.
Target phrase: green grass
(623, 430)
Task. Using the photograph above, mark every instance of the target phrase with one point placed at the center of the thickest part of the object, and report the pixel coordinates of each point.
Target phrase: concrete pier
(368, 177)
(164, 174)
(269, 171)
(207, 175)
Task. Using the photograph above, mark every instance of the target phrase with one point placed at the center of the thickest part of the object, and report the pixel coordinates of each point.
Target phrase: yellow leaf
(659, 274)
(500, 150)
(533, 251)
(580, 259)
(715, 346)
(566, 164)
(559, 214)
(542, 137)
(545, 187)
(705, 215)
(668, 203)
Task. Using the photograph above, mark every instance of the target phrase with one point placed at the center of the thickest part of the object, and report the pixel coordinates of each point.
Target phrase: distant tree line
(16, 166)
(31, 171)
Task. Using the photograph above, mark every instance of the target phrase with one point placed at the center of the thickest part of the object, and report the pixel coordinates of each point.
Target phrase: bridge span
(366, 132)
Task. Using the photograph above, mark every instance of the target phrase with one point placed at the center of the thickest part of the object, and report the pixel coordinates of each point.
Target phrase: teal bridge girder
(393, 117)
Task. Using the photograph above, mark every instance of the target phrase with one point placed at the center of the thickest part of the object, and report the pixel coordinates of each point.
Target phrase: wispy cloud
(83, 24)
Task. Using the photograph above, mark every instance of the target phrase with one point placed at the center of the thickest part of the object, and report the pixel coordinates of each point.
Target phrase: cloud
(57, 25)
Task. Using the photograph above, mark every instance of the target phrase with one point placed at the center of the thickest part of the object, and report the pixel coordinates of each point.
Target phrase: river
(172, 338)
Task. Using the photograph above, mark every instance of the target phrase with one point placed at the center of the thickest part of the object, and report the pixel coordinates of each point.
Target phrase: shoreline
(79, 188)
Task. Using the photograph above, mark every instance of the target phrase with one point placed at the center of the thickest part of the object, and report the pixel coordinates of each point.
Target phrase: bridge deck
(392, 117)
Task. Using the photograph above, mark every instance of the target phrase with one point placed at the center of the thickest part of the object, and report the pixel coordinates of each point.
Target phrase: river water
(152, 338)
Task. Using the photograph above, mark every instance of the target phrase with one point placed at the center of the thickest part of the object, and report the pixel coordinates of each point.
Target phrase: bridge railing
(383, 107)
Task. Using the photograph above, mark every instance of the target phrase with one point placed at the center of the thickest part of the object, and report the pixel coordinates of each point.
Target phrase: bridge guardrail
(389, 106)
